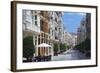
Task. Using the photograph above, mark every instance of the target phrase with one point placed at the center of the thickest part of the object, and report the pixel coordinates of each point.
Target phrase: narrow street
(70, 54)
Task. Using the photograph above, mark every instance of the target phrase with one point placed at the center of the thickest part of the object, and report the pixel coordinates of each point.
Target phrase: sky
(71, 21)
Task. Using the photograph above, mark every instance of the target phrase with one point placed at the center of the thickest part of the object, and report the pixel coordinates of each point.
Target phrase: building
(44, 27)
(56, 27)
(74, 38)
(35, 24)
(30, 21)
(88, 25)
(70, 39)
(84, 36)
(84, 31)
(81, 33)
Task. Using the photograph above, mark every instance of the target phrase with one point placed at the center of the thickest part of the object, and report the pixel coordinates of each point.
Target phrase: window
(35, 41)
(32, 19)
(35, 17)
(41, 22)
(56, 19)
(56, 28)
(83, 24)
(52, 32)
(51, 17)
(39, 40)
(35, 22)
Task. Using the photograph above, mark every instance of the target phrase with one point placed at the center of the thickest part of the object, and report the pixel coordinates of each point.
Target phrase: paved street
(70, 55)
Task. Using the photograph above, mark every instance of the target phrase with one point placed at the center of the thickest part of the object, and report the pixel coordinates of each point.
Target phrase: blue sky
(71, 21)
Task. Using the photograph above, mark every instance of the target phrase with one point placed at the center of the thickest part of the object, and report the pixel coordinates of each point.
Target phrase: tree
(68, 47)
(84, 46)
(63, 47)
(55, 48)
(28, 47)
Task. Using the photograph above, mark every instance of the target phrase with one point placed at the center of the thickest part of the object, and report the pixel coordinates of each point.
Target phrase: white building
(44, 27)
(81, 35)
(74, 38)
(31, 22)
(34, 23)
(56, 26)
(70, 38)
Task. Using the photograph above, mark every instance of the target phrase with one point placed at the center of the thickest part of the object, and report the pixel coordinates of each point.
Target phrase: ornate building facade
(44, 27)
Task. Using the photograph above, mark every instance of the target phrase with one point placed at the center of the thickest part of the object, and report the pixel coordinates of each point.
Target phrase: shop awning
(43, 45)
